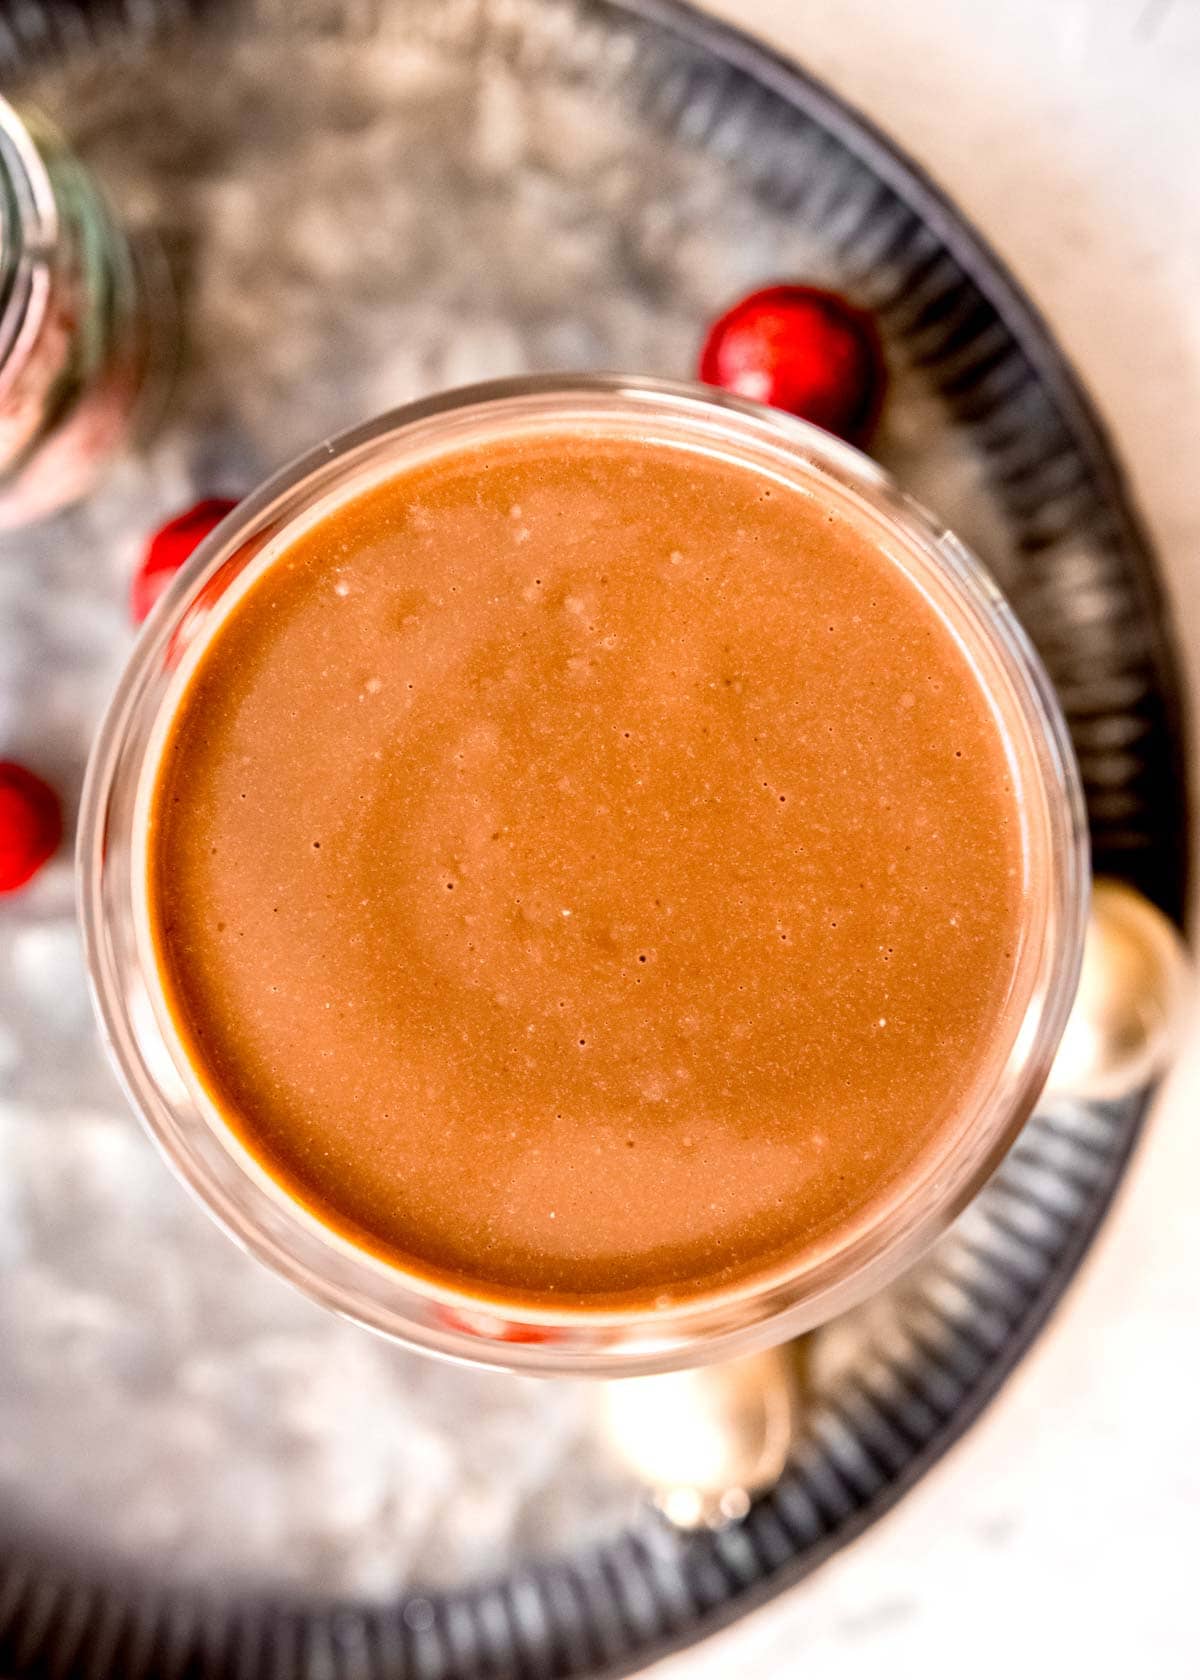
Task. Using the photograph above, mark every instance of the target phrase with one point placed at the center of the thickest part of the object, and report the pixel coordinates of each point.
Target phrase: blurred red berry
(803, 350)
(30, 825)
(169, 547)
(487, 1325)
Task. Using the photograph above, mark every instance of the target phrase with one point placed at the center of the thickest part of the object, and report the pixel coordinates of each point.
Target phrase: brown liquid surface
(585, 872)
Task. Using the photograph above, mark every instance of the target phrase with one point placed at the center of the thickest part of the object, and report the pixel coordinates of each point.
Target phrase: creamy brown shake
(586, 872)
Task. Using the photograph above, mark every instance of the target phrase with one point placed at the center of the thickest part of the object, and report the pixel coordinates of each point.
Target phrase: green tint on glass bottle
(73, 344)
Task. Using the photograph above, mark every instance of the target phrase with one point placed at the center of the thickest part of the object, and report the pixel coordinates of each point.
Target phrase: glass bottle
(73, 338)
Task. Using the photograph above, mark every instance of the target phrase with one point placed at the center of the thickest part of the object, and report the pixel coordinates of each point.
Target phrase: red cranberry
(803, 350)
(30, 825)
(169, 547)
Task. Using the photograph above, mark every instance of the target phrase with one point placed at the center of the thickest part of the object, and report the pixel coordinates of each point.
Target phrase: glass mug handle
(703, 1442)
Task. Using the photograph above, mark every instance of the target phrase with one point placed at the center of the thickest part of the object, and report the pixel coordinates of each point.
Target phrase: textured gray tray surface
(362, 204)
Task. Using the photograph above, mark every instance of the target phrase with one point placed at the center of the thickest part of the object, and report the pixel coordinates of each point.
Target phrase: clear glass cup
(824, 1279)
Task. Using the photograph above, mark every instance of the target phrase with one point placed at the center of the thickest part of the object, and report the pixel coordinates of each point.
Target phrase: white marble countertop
(1060, 1537)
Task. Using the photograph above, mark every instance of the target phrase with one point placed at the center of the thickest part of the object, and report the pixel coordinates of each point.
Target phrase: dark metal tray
(200, 1474)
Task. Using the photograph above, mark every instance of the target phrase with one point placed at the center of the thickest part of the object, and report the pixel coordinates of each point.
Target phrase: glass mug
(819, 1282)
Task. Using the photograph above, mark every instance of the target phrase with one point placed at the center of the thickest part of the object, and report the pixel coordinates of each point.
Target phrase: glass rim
(402, 1304)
